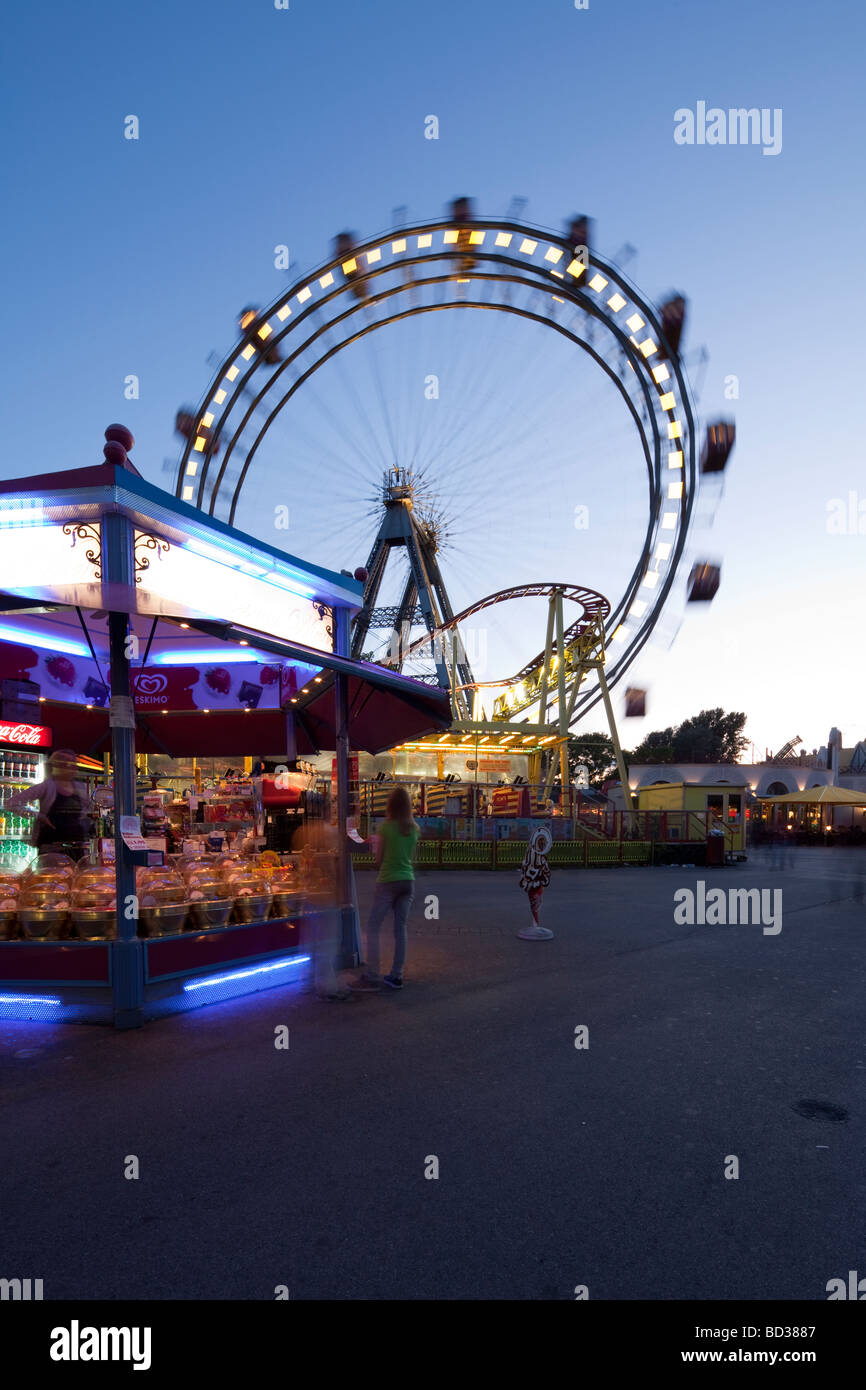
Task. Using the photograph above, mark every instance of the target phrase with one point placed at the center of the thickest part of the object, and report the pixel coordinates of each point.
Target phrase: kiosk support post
(127, 961)
(349, 951)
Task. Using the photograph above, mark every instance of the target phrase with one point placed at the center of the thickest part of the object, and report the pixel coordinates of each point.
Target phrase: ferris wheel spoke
(301, 444)
(502, 430)
(351, 438)
(385, 413)
(377, 458)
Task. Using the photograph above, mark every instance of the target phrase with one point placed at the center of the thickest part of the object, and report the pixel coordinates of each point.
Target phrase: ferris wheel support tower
(424, 599)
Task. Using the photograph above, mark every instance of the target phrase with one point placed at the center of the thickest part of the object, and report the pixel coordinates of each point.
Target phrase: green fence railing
(508, 854)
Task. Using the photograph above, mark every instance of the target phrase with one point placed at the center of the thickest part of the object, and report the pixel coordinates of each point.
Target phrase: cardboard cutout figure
(534, 878)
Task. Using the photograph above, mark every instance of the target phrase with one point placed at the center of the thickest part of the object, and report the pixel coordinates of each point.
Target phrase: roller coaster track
(585, 633)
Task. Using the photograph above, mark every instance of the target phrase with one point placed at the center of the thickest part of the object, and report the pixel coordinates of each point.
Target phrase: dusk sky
(261, 127)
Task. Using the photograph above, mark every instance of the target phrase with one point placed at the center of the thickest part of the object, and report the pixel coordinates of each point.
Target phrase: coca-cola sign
(25, 735)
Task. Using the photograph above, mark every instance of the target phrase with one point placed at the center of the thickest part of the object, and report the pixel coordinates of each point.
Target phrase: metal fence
(475, 811)
(508, 854)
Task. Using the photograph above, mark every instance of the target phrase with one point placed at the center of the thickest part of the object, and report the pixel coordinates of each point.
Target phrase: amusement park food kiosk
(150, 627)
(714, 813)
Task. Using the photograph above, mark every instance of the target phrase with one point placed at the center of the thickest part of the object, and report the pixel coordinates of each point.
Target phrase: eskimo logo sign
(151, 684)
(76, 1343)
(150, 689)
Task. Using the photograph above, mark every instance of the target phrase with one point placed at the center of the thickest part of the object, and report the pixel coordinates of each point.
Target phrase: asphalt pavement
(559, 1165)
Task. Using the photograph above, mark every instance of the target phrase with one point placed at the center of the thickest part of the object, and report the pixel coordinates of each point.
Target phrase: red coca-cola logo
(29, 735)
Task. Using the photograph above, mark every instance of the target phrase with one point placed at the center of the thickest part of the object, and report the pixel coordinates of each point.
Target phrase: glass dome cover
(51, 864)
(94, 887)
(161, 886)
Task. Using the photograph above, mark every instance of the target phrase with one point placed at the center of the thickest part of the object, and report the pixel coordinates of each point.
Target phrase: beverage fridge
(23, 752)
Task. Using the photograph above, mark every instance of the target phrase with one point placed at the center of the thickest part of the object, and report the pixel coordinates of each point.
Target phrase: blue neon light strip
(275, 577)
(227, 656)
(285, 581)
(27, 638)
(17, 515)
(131, 490)
(37, 1008)
(244, 974)
(28, 999)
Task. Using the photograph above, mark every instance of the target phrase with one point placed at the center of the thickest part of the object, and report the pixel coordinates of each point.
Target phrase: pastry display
(163, 901)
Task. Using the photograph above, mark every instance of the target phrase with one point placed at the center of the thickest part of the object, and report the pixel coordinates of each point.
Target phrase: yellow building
(697, 807)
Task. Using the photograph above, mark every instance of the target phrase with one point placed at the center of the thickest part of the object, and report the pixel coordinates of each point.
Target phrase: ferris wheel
(469, 406)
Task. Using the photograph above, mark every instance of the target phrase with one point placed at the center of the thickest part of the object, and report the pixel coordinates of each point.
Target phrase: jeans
(399, 897)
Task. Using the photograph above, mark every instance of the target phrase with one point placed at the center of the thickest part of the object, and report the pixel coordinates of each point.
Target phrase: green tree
(710, 737)
(594, 752)
(657, 747)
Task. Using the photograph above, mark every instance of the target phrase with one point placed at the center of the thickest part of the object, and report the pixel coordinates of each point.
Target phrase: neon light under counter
(244, 974)
(29, 999)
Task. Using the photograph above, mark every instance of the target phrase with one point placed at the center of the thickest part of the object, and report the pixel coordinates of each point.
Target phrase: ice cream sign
(244, 685)
(210, 685)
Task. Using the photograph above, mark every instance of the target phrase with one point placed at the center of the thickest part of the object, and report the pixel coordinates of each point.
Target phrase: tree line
(709, 737)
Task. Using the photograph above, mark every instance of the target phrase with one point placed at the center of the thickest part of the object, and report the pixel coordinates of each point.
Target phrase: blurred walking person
(64, 821)
(317, 842)
(395, 889)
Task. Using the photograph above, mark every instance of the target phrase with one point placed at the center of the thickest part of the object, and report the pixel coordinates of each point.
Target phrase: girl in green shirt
(395, 889)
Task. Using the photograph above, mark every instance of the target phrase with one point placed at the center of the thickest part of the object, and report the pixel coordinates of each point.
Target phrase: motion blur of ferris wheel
(479, 414)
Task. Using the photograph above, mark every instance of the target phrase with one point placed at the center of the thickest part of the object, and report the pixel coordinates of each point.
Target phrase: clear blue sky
(261, 127)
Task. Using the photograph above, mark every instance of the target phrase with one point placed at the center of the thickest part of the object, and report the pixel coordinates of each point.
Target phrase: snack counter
(196, 912)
